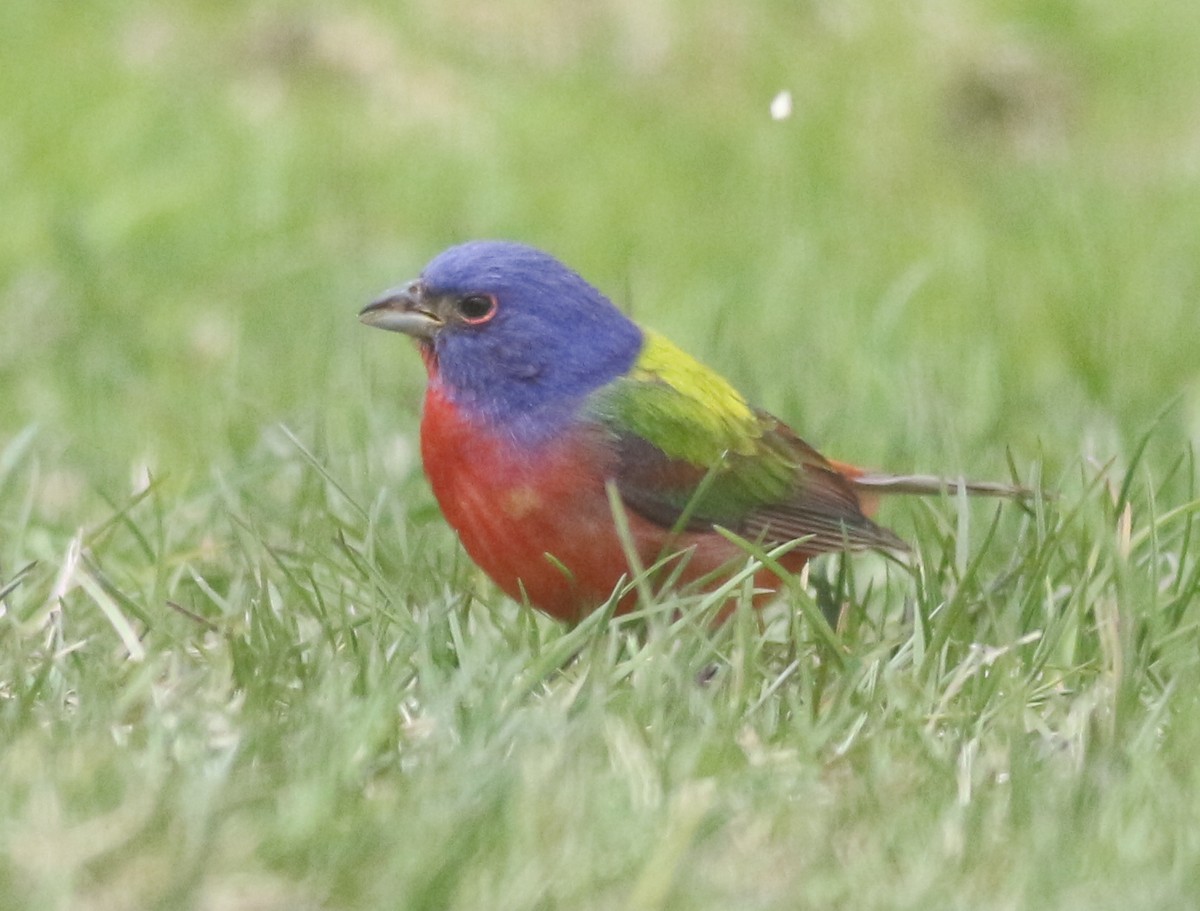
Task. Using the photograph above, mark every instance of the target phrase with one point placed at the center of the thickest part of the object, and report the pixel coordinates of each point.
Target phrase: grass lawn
(244, 665)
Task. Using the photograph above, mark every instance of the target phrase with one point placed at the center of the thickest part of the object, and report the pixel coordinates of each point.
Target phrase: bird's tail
(871, 485)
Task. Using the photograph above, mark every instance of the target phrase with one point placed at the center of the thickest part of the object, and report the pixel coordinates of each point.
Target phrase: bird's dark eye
(477, 308)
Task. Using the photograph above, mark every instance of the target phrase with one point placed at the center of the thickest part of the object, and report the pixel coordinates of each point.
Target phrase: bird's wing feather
(690, 450)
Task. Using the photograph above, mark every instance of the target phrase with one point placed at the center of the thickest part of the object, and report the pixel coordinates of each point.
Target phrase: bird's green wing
(691, 450)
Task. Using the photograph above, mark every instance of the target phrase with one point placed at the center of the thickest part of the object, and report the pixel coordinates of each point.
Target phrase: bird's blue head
(513, 336)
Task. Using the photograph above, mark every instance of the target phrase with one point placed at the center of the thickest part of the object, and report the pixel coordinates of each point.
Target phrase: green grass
(243, 663)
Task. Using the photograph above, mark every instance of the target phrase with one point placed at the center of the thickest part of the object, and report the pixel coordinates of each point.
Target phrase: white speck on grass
(781, 106)
(140, 477)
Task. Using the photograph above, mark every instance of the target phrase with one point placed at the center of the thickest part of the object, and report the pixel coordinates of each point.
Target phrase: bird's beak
(403, 310)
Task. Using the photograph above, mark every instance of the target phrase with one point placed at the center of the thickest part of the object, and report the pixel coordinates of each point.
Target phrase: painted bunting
(548, 409)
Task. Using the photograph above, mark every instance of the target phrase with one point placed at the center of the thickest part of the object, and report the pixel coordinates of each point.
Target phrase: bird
(568, 446)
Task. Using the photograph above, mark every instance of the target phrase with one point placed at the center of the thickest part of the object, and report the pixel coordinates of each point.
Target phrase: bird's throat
(428, 357)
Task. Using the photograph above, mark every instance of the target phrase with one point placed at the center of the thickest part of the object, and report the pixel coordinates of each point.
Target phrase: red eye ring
(476, 308)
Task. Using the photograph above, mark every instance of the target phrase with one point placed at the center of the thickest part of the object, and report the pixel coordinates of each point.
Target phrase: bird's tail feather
(929, 485)
(870, 486)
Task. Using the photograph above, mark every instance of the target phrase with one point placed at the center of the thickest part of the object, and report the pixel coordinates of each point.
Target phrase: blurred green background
(979, 228)
(270, 679)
